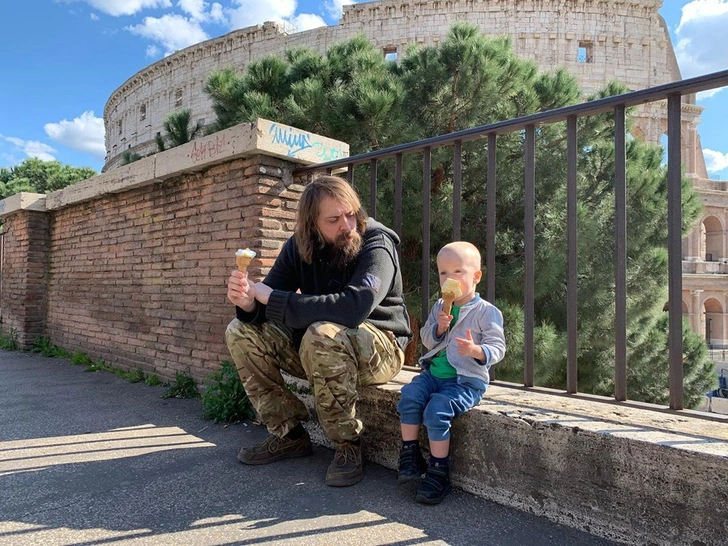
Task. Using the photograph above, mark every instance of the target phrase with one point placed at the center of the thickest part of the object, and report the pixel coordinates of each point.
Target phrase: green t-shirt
(439, 366)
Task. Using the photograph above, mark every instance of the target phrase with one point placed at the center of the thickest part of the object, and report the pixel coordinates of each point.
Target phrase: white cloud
(31, 148)
(194, 8)
(701, 44)
(152, 51)
(173, 32)
(253, 12)
(124, 7)
(200, 10)
(94, 17)
(335, 8)
(307, 21)
(702, 95)
(84, 133)
(216, 13)
(715, 161)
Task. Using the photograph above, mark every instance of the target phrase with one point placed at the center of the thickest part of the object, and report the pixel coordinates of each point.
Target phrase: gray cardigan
(485, 322)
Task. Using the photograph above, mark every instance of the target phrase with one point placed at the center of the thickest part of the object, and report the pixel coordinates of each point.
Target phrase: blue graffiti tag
(296, 142)
(328, 154)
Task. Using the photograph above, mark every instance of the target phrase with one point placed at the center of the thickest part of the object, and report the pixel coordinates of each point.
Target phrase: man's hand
(466, 347)
(241, 292)
(443, 323)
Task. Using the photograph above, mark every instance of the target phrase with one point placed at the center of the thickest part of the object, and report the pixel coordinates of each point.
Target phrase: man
(330, 310)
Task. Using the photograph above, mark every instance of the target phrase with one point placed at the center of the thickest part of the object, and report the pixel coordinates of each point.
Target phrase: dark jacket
(370, 289)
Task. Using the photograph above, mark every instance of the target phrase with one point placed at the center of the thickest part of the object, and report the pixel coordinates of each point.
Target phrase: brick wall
(24, 269)
(139, 278)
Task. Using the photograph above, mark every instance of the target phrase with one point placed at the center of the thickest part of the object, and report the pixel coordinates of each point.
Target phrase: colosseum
(595, 40)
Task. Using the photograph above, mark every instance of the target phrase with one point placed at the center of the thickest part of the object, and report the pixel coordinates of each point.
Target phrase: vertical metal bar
(572, 257)
(490, 222)
(490, 231)
(674, 249)
(398, 195)
(373, 188)
(529, 249)
(457, 187)
(620, 255)
(426, 183)
(350, 173)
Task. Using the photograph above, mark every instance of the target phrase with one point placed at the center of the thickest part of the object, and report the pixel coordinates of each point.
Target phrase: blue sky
(62, 59)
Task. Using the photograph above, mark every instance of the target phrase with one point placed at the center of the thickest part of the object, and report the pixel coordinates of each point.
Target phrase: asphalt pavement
(89, 458)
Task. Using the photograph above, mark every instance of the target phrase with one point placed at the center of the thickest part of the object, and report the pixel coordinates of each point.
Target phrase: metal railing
(618, 105)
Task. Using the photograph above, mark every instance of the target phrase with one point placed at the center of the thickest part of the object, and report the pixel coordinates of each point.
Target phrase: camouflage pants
(335, 359)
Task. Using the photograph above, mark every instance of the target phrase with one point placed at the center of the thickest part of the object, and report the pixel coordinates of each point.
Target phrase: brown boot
(274, 449)
(346, 468)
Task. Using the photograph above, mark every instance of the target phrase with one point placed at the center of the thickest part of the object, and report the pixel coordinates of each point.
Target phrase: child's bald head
(466, 252)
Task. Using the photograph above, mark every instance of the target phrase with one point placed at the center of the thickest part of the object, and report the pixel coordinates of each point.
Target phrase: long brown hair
(334, 187)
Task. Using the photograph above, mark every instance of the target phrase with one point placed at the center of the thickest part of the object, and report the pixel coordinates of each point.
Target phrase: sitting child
(462, 342)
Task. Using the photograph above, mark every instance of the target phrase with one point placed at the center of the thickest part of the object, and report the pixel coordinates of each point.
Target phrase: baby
(462, 345)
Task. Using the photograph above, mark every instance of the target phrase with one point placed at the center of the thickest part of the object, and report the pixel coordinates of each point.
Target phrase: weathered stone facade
(596, 40)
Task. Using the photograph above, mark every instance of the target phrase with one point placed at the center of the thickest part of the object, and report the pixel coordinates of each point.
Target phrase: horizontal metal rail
(600, 106)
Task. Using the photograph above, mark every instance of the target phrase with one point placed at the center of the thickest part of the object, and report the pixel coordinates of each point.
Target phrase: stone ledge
(261, 137)
(621, 472)
(22, 201)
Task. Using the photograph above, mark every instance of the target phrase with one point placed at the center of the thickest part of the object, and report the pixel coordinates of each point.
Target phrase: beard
(343, 251)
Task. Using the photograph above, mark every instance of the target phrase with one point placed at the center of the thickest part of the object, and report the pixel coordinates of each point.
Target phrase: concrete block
(719, 405)
(131, 176)
(22, 201)
(262, 137)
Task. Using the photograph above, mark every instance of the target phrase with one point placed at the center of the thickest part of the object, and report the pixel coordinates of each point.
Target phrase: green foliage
(352, 94)
(152, 380)
(99, 366)
(36, 176)
(81, 359)
(134, 376)
(183, 386)
(129, 157)
(224, 398)
(178, 129)
(44, 347)
(9, 341)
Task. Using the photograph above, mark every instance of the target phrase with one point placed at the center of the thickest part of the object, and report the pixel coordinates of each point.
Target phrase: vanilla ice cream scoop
(243, 257)
(450, 292)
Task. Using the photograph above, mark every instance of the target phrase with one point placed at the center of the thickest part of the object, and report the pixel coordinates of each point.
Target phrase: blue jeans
(436, 402)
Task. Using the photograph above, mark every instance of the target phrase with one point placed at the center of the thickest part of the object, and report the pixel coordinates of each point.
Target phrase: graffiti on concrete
(207, 149)
(296, 141)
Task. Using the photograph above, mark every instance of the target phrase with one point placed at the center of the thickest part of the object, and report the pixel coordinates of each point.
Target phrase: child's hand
(466, 347)
(443, 323)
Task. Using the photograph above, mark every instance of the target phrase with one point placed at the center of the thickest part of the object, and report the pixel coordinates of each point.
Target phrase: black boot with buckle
(436, 484)
(412, 464)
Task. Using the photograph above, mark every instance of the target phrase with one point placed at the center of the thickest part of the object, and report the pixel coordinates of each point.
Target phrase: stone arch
(711, 239)
(637, 132)
(712, 321)
(685, 308)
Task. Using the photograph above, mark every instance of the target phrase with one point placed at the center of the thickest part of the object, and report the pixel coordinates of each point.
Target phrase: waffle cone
(447, 300)
(243, 262)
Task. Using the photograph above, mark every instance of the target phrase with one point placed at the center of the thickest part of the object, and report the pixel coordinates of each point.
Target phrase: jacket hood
(372, 224)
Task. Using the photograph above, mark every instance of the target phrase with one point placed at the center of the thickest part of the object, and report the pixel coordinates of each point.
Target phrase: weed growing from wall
(224, 398)
(9, 341)
(183, 386)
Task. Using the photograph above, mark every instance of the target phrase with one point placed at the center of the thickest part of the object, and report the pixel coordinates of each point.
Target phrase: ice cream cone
(450, 292)
(243, 258)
